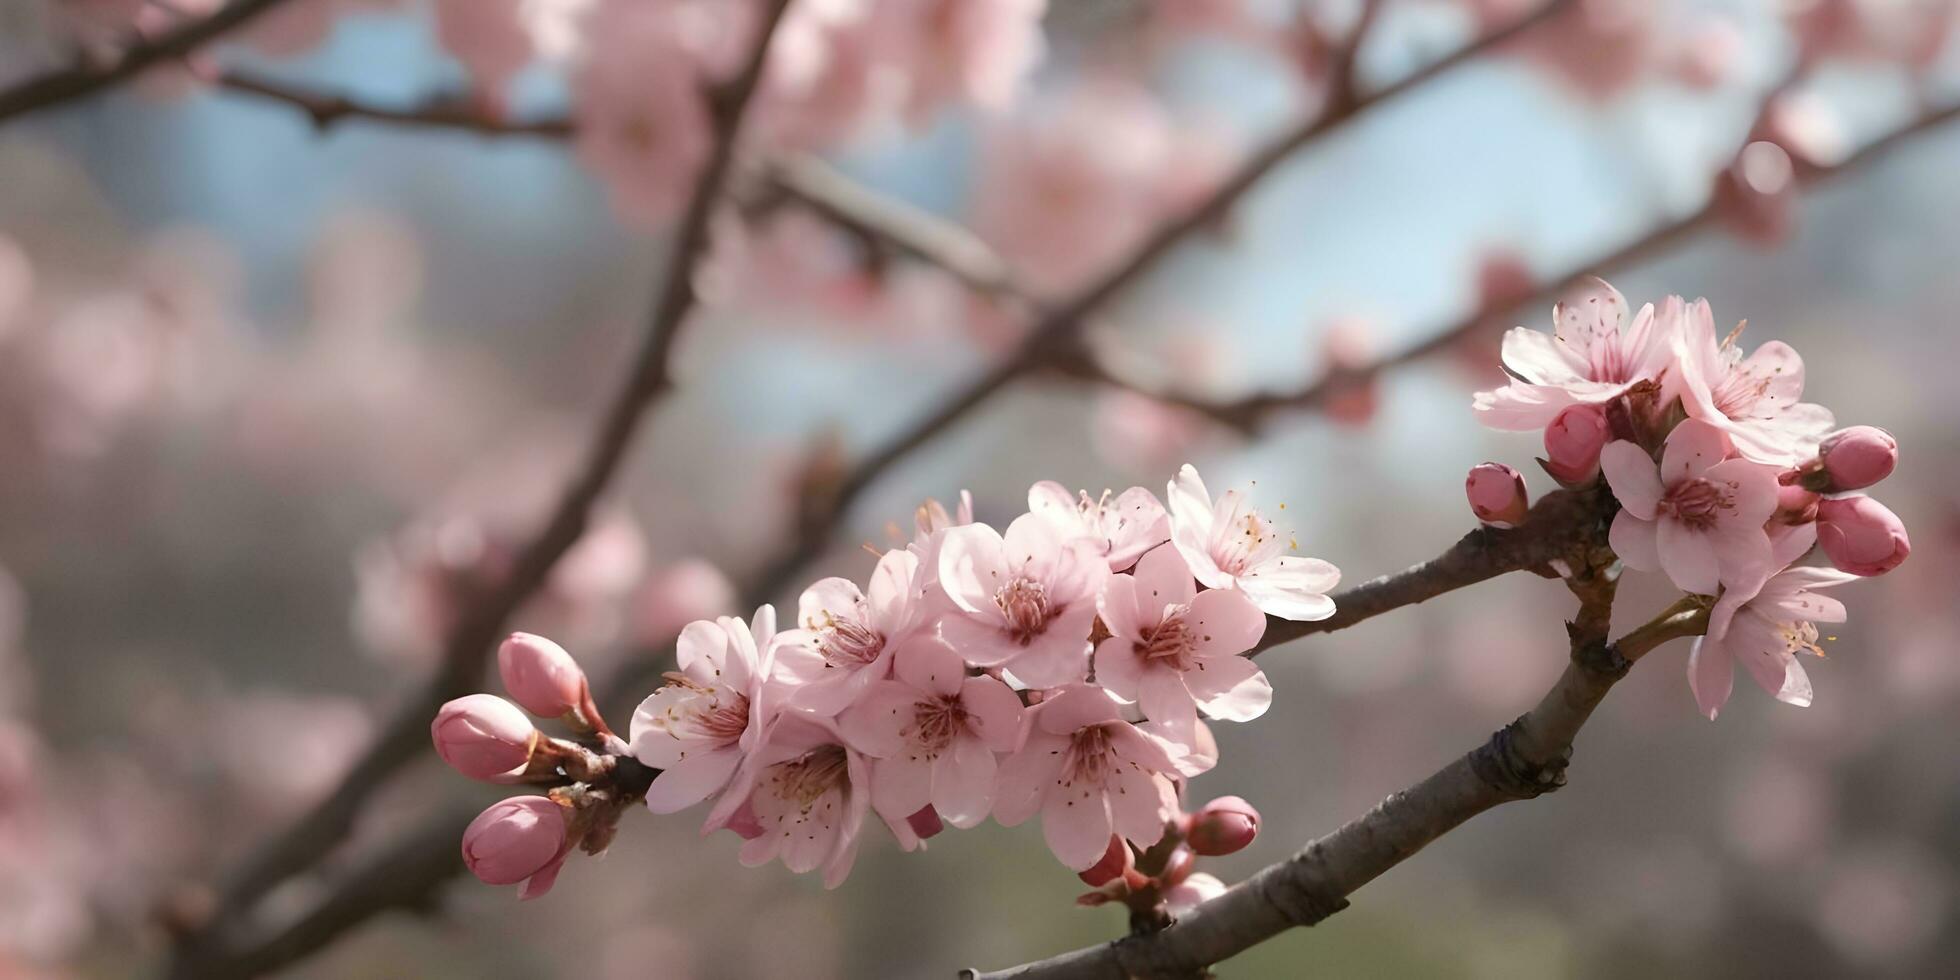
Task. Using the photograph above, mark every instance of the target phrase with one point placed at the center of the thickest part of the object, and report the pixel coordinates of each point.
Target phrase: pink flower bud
(1573, 442)
(521, 838)
(483, 736)
(1114, 863)
(1225, 825)
(1858, 457)
(1497, 494)
(1861, 535)
(1178, 868)
(926, 822)
(540, 675)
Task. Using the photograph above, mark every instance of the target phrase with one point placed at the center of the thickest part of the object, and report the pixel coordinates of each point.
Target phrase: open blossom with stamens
(1593, 355)
(1699, 517)
(710, 714)
(802, 795)
(1230, 545)
(1766, 633)
(1753, 399)
(847, 638)
(1174, 649)
(1121, 527)
(1024, 601)
(934, 732)
(1088, 772)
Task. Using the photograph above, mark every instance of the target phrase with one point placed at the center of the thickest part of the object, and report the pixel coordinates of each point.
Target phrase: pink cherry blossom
(957, 51)
(489, 37)
(801, 795)
(1023, 601)
(1593, 355)
(1573, 442)
(1121, 528)
(483, 737)
(1765, 633)
(1753, 399)
(1088, 773)
(1230, 545)
(934, 733)
(540, 675)
(712, 712)
(676, 595)
(1699, 516)
(643, 123)
(1181, 898)
(1174, 649)
(847, 638)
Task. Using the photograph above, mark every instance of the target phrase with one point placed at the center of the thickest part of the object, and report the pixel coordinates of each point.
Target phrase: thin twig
(467, 647)
(441, 112)
(60, 87)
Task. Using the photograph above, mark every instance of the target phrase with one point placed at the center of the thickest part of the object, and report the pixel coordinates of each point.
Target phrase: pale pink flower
(1754, 399)
(489, 37)
(1174, 649)
(710, 714)
(1230, 545)
(1088, 773)
(1181, 898)
(1121, 528)
(1765, 633)
(1024, 601)
(678, 594)
(847, 637)
(643, 123)
(958, 51)
(1598, 48)
(801, 795)
(1699, 516)
(934, 732)
(1593, 355)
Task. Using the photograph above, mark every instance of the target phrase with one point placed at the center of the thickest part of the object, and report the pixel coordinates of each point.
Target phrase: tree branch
(1525, 759)
(56, 88)
(405, 737)
(455, 112)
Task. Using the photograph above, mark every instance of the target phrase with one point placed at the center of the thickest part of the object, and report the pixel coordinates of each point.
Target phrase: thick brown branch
(1526, 758)
(470, 643)
(67, 85)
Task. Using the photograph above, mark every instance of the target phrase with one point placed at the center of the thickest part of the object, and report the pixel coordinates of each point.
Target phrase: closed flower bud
(519, 839)
(1858, 457)
(540, 675)
(1114, 862)
(1861, 535)
(1225, 825)
(1573, 442)
(483, 736)
(1497, 494)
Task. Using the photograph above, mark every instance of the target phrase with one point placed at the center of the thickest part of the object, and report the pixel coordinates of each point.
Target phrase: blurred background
(269, 392)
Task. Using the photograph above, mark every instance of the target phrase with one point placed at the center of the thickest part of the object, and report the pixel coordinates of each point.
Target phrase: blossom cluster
(1724, 477)
(1064, 667)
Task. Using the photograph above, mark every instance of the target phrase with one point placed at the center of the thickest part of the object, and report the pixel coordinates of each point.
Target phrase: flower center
(1244, 543)
(1169, 642)
(1089, 757)
(709, 713)
(848, 643)
(935, 723)
(1024, 602)
(808, 777)
(1799, 637)
(1698, 503)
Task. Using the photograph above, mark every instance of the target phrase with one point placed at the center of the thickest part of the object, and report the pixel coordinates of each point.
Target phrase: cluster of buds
(525, 839)
(1162, 882)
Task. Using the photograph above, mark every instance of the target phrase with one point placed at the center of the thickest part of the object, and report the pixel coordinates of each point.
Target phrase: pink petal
(1688, 557)
(1163, 578)
(1135, 807)
(1075, 822)
(1520, 407)
(1710, 675)
(1635, 541)
(1190, 502)
(901, 785)
(837, 689)
(979, 638)
(1060, 655)
(1778, 368)
(1536, 358)
(1224, 622)
(541, 881)
(1051, 500)
(893, 592)
(1120, 608)
(702, 649)
(1118, 667)
(972, 566)
(1024, 775)
(691, 780)
(1163, 698)
(1631, 474)
(1742, 556)
(832, 598)
(993, 711)
(1754, 485)
(929, 664)
(1033, 543)
(1691, 449)
(1142, 524)
(1231, 689)
(875, 725)
(1275, 598)
(1074, 708)
(798, 659)
(1152, 750)
(963, 783)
